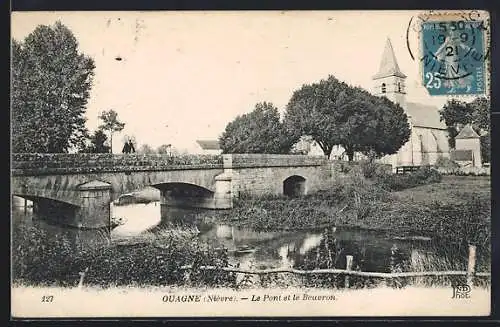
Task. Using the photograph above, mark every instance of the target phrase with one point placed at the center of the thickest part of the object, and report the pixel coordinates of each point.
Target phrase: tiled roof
(388, 65)
(424, 115)
(467, 133)
(209, 144)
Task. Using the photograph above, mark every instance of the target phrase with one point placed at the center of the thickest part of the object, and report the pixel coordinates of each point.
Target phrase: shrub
(426, 175)
(368, 168)
(395, 182)
(151, 259)
(446, 163)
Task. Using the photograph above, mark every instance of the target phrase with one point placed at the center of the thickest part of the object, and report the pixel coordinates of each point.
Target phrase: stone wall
(269, 180)
(272, 160)
(62, 163)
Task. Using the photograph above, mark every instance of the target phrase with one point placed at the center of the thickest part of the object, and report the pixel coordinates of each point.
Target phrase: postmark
(454, 52)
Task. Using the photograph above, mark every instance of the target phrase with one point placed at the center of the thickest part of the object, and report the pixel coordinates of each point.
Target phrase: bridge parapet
(272, 160)
(65, 163)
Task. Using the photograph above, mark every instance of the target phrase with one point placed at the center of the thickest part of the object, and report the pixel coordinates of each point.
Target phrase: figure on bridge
(131, 146)
(126, 148)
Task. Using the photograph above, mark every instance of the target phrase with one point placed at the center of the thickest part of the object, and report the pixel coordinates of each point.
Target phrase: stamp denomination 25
(454, 56)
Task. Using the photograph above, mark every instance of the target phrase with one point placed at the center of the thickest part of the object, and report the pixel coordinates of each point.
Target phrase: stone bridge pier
(92, 211)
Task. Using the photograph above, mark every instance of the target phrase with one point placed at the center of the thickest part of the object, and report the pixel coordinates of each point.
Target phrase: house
(306, 145)
(468, 148)
(209, 146)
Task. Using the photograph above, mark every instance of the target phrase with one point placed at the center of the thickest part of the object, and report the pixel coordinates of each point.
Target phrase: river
(371, 250)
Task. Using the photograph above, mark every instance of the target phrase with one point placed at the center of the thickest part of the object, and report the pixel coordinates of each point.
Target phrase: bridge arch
(294, 186)
(52, 210)
(47, 197)
(179, 194)
(183, 189)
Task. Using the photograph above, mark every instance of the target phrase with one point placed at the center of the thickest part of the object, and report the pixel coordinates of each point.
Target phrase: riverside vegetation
(451, 209)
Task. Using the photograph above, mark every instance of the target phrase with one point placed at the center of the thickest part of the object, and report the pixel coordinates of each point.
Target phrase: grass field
(426, 208)
(448, 190)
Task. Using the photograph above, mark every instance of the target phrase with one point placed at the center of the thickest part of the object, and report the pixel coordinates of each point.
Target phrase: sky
(184, 75)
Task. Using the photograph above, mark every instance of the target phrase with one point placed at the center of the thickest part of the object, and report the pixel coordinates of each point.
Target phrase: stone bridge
(76, 189)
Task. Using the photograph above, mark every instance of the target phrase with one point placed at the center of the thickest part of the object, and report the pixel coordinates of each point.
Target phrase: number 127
(47, 298)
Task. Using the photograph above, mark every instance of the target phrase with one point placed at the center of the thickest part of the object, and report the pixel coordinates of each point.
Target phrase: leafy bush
(372, 169)
(446, 163)
(397, 182)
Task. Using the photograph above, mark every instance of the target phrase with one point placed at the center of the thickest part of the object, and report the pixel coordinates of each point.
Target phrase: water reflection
(324, 248)
(76, 239)
(137, 218)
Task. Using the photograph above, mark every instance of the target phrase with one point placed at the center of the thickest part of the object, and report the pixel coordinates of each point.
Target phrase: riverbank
(457, 208)
(149, 302)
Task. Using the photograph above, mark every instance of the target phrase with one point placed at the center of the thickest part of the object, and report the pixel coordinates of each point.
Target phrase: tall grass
(397, 182)
(150, 259)
(459, 217)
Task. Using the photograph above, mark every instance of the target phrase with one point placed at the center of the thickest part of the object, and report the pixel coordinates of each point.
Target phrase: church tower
(390, 81)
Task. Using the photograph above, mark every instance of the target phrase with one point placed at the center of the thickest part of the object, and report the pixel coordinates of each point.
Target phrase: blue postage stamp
(454, 57)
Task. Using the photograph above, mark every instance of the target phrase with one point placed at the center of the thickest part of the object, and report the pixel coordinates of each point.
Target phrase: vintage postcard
(250, 164)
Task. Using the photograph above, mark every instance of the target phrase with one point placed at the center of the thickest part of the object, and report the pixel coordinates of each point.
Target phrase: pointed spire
(389, 65)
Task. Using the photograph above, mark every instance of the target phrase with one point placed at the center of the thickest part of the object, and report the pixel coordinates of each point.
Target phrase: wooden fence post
(348, 268)
(471, 266)
(187, 276)
(82, 276)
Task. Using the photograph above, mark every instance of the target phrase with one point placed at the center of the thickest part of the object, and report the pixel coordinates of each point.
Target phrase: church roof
(467, 133)
(388, 65)
(424, 115)
(209, 144)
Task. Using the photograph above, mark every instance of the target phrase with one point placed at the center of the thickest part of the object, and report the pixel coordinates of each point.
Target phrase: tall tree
(334, 113)
(164, 149)
(50, 87)
(146, 149)
(98, 143)
(259, 131)
(457, 114)
(110, 124)
(392, 128)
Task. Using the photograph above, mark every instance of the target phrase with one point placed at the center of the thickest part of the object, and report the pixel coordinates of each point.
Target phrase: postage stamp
(454, 54)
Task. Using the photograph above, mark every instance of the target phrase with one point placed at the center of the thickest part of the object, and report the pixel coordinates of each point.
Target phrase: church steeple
(388, 65)
(389, 81)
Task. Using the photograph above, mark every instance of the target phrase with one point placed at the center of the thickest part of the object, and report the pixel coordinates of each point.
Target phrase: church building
(429, 136)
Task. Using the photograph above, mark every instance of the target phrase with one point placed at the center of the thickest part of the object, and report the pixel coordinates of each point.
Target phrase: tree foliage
(259, 131)
(50, 87)
(334, 113)
(111, 124)
(456, 114)
(146, 149)
(98, 143)
(164, 149)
